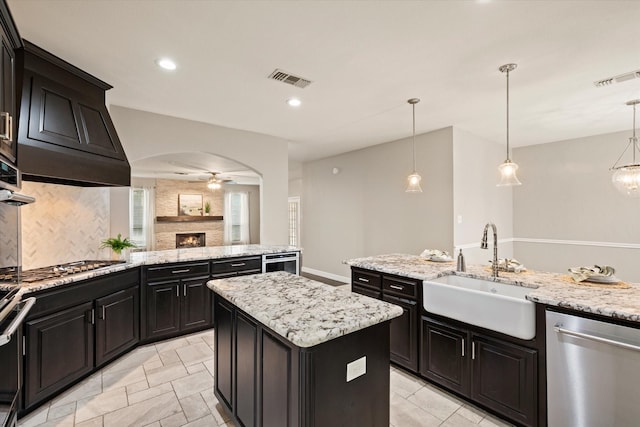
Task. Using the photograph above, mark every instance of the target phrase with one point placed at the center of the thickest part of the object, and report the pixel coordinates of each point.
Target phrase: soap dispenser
(461, 264)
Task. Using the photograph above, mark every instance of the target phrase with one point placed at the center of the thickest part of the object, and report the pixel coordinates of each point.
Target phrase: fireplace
(190, 240)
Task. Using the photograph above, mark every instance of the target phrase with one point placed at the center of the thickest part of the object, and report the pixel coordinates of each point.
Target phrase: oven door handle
(13, 326)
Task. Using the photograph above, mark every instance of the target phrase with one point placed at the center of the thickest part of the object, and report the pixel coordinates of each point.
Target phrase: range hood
(65, 133)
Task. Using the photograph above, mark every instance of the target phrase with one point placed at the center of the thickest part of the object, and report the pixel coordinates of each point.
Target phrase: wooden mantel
(188, 218)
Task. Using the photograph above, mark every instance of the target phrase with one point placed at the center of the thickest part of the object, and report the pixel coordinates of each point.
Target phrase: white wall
(476, 198)
(364, 210)
(567, 195)
(144, 134)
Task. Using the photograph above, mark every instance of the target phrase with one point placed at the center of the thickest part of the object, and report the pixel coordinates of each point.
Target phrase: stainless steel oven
(13, 309)
(286, 261)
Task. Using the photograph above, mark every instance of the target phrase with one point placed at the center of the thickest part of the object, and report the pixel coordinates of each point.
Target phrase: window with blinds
(138, 217)
(294, 221)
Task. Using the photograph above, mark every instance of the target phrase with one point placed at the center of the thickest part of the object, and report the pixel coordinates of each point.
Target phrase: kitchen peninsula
(294, 352)
(452, 325)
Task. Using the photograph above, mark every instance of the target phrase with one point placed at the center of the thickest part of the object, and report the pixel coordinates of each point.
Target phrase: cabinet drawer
(178, 271)
(366, 291)
(401, 287)
(366, 278)
(237, 264)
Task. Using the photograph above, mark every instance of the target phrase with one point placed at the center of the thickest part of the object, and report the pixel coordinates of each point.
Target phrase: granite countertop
(153, 258)
(553, 289)
(303, 311)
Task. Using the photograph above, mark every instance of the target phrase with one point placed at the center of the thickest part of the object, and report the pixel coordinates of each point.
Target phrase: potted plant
(207, 208)
(117, 245)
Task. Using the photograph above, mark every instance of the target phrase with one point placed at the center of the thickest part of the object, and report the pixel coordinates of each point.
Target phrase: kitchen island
(290, 351)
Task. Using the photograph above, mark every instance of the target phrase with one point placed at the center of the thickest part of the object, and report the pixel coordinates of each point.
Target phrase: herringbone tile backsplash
(65, 224)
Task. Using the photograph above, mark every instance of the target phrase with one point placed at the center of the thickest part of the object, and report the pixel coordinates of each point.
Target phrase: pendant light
(413, 180)
(214, 183)
(508, 169)
(626, 178)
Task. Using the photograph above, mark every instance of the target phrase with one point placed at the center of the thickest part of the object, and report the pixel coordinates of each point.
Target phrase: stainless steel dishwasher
(593, 372)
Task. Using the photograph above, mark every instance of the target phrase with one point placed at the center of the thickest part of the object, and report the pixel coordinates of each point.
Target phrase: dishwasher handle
(560, 330)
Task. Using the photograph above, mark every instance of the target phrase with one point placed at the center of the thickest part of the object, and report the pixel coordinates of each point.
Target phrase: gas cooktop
(11, 275)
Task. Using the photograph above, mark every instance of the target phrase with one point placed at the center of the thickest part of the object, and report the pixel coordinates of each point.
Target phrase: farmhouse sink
(491, 305)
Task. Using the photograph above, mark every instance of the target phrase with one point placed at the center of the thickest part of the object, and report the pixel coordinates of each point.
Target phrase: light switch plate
(357, 368)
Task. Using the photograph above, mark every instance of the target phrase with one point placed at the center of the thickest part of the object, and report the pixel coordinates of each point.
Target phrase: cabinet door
(404, 333)
(59, 351)
(163, 308)
(504, 378)
(117, 324)
(195, 310)
(223, 367)
(8, 124)
(246, 351)
(444, 352)
(275, 380)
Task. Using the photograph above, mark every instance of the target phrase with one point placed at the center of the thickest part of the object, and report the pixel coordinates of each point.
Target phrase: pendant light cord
(507, 114)
(413, 106)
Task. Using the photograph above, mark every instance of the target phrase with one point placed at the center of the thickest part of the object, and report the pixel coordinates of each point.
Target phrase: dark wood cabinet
(196, 308)
(9, 41)
(403, 333)
(504, 378)
(444, 351)
(404, 292)
(65, 131)
(176, 299)
(59, 351)
(73, 329)
(246, 351)
(499, 375)
(231, 267)
(263, 380)
(163, 309)
(117, 324)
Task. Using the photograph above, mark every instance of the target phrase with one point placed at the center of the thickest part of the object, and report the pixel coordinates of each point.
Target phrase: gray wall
(568, 205)
(146, 134)
(476, 198)
(363, 210)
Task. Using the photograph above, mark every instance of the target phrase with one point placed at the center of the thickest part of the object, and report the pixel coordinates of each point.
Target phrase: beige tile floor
(170, 384)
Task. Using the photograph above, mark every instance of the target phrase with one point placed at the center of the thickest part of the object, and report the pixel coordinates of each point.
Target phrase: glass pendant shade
(508, 175)
(213, 184)
(413, 183)
(626, 179)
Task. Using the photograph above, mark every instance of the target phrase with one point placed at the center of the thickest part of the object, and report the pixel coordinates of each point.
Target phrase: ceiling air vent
(618, 79)
(284, 77)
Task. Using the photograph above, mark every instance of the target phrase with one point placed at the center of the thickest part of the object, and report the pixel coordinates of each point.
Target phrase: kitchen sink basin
(491, 305)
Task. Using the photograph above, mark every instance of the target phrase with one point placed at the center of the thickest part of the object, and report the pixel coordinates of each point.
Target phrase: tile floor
(170, 384)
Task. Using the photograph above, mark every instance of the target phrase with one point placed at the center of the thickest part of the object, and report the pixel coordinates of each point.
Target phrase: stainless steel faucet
(483, 245)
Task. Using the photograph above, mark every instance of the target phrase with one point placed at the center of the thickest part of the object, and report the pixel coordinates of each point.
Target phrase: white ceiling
(365, 58)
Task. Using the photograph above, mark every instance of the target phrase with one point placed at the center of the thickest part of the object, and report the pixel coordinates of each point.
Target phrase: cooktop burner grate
(11, 275)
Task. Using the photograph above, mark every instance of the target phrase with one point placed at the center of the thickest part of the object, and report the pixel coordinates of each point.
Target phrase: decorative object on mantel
(117, 245)
(626, 178)
(190, 204)
(207, 208)
(414, 179)
(508, 169)
(187, 218)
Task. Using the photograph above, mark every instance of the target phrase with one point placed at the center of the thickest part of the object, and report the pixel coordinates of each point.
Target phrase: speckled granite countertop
(156, 257)
(303, 311)
(546, 288)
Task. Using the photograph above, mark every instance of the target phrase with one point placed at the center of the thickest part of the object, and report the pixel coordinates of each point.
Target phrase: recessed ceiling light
(166, 63)
(294, 102)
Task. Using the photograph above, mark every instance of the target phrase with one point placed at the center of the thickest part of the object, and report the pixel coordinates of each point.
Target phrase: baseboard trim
(326, 275)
